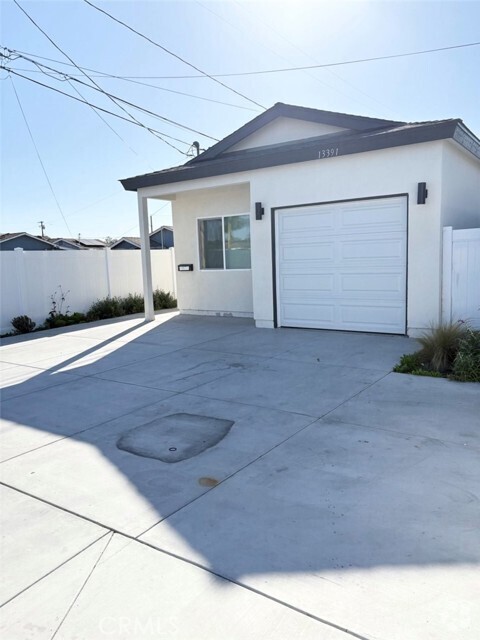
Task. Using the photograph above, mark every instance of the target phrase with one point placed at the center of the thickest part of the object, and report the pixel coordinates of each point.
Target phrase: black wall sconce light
(422, 193)
(259, 211)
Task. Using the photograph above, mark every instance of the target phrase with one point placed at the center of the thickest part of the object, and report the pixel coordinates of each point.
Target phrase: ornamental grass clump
(440, 346)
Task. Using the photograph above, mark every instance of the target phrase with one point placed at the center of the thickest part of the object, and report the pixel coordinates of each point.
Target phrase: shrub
(23, 324)
(466, 366)
(106, 308)
(409, 363)
(77, 318)
(54, 321)
(163, 300)
(440, 346)
(133, 303)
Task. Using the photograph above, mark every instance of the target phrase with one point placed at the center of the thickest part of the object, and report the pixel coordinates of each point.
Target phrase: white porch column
(146, 261)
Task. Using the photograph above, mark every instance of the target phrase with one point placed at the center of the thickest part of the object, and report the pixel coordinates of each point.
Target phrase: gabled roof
(164, 226)
(9, 236)
(281, 110)
(133, 240)
(360, 135)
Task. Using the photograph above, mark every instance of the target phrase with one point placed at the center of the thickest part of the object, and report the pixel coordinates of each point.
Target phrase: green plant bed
(448, 351)
(63, 320)
(133, 303)
(100, 310)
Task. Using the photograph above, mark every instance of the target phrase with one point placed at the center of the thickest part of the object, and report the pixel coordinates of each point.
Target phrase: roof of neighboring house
(130, 239)
(136, 241)
(72, 243)
(10, 236)
(160, 228)
(82, 243)
(361, 134)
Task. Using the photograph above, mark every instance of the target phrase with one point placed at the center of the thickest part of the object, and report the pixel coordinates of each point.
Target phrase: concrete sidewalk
(199, 479)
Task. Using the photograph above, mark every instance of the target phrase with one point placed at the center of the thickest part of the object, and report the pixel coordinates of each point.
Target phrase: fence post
(107, 271)
(447, 256)
(21, 280)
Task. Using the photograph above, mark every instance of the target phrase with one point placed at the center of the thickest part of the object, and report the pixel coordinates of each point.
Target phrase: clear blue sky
(84, 159)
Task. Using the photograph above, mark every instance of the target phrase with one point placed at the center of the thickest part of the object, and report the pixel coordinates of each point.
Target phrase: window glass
(210, 239)
(237, 242)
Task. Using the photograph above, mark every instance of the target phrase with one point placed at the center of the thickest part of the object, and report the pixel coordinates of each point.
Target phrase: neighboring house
(79, 243)
(309, 218)
(126, 243)
(161, 238)
(22, 240)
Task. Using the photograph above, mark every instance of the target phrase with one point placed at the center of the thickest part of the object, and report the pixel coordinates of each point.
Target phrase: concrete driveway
(199, 479)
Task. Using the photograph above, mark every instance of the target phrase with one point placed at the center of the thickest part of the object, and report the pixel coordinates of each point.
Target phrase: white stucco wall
(461, 188)
(378, 173)
(372, 174)
(209, 291)
(283, 130)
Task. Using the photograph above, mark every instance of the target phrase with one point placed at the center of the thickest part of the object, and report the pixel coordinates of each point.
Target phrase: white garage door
(343, 265)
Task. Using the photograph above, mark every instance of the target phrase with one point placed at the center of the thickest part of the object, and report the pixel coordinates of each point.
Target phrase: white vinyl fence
(30, 278)
(461, 275)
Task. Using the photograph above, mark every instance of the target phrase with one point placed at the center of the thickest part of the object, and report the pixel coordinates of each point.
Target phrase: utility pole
(151, 223)
(42, 228)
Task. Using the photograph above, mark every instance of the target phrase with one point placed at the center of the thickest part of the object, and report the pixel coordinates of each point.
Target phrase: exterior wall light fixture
(259, 211)
(422, 193)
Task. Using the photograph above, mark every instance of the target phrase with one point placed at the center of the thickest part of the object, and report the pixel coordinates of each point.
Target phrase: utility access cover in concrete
(176, 437)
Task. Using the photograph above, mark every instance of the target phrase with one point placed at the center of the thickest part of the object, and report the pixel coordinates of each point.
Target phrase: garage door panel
(378, 217)
(309, 313)
(308, 282)
(386, 248)
(381, 316)
(350, 276)
(308, 221)
(393, 283)
(311, 251)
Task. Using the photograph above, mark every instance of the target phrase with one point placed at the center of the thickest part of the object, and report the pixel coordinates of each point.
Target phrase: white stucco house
(309, 218)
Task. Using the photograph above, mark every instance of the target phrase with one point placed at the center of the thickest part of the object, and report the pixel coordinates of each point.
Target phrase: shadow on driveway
(329, 467)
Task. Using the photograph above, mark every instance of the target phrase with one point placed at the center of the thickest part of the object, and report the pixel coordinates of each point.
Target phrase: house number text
(328, 153)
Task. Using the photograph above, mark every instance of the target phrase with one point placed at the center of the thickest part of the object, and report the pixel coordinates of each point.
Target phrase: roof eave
(301, 152)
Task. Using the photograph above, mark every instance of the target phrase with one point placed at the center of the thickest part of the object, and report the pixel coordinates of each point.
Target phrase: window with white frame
(224, 242)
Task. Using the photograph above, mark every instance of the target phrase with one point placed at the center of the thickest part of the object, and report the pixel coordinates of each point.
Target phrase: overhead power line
(312, 66)
(39, 157)
(189, 64)
(93, 81)
(102, 74)
(269, 27)
(111, 113)
(106, 123)
(279, 70)
(69, 77)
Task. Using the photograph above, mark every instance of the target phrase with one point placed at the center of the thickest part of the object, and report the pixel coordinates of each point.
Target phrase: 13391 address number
(328, 153)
